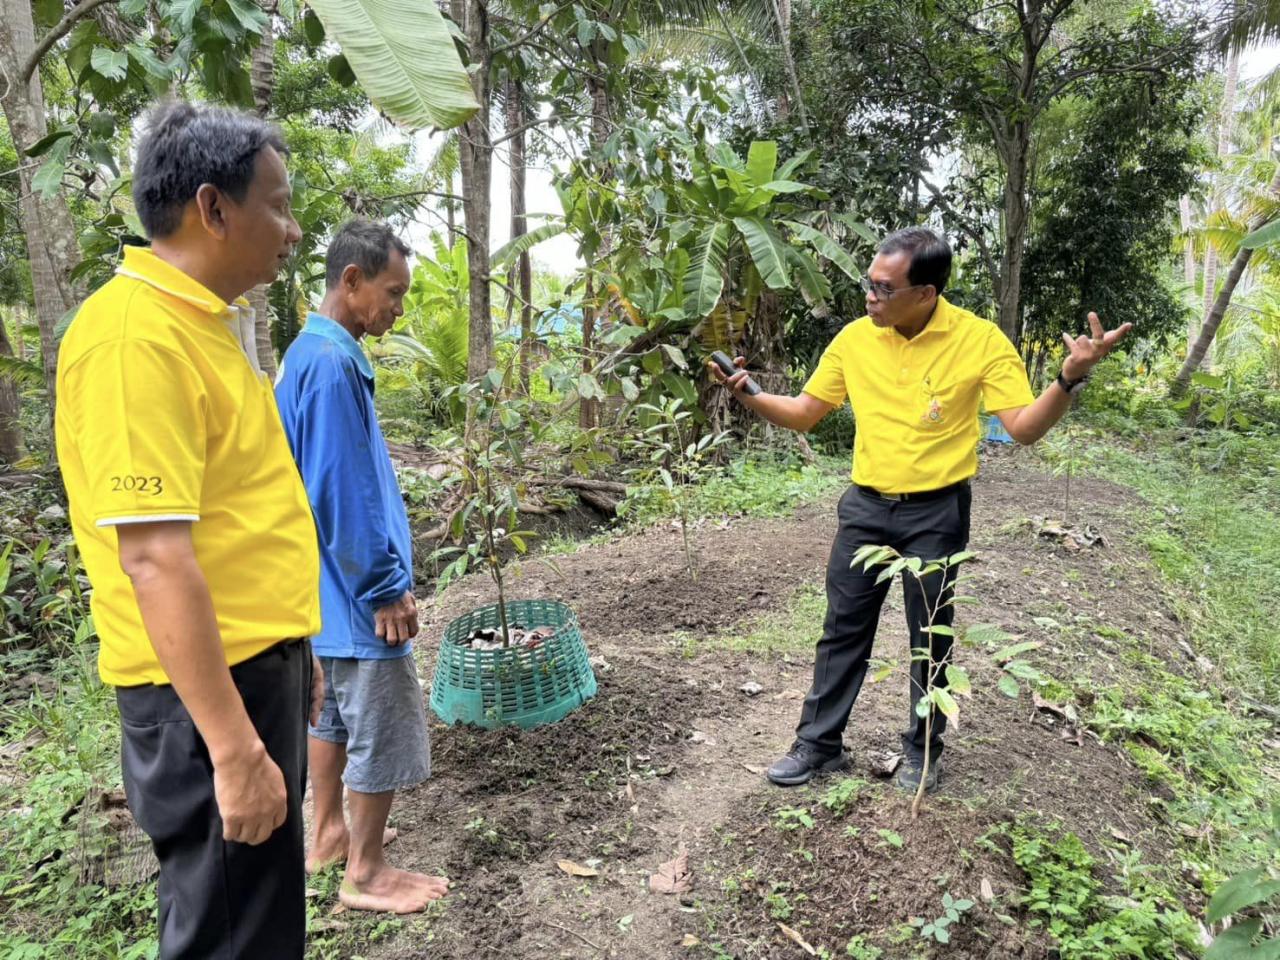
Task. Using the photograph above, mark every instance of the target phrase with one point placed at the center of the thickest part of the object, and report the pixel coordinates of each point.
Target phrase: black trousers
(928, 529)
(219, 899)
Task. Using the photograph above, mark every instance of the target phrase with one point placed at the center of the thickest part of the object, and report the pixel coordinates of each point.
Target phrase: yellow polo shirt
(163, 415)
(915, 402)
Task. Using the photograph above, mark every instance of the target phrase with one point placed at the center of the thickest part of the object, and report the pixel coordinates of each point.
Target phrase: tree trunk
(1200, 349)
(1189, 267)
(1225, 125)
(782, 19)
(475, 151)
(262, 77)
(600, 114)
(522, 279)
(19, 321)
(1015, 215)
(52, 250)
(10, 429)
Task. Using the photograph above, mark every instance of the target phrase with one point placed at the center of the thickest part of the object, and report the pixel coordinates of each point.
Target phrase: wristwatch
(1071, 387)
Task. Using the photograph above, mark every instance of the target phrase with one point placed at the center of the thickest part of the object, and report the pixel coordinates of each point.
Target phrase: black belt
(918, 495)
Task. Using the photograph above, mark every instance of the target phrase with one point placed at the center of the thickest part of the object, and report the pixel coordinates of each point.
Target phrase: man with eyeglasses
(914, 370)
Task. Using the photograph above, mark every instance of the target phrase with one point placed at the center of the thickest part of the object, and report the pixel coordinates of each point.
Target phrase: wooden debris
(576, 869)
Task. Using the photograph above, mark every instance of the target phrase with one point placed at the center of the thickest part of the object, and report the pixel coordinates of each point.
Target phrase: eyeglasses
(883, 291)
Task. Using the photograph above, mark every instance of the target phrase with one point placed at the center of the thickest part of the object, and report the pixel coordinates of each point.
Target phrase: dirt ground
(671, 752)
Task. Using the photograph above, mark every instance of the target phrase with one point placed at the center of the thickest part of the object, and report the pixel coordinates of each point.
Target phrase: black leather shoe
(803, 762)
(908, 777)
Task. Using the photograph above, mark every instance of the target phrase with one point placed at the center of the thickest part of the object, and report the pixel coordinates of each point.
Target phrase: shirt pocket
(937, 402)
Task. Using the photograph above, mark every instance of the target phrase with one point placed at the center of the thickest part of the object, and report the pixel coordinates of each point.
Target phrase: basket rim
(570, 623)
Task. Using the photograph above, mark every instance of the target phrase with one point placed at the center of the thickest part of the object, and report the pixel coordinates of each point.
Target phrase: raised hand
(1085, 352)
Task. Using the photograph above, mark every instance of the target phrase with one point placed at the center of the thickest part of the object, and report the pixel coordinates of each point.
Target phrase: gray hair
(364, 244)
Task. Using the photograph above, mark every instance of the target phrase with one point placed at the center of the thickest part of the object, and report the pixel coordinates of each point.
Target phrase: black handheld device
(728, 368)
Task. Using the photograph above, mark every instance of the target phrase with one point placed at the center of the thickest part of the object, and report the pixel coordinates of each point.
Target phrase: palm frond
(1246, 23)
(24, 373)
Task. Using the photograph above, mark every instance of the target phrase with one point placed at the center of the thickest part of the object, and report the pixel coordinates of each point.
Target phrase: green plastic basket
(516, 686)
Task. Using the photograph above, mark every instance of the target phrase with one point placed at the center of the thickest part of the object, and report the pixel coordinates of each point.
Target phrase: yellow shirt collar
(941, 321)
(140, 263)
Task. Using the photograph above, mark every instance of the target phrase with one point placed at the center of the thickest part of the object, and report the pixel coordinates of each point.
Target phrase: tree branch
(63, 27)
(532, 31)
(987, 259)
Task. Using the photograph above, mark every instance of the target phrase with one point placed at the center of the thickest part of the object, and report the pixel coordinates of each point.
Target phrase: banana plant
(736, 227)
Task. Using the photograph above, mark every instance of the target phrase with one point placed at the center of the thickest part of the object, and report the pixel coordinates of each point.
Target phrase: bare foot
(326, 851)
(392, 891)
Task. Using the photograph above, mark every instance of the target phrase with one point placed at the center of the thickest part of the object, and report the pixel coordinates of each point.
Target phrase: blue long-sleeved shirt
(325, 395)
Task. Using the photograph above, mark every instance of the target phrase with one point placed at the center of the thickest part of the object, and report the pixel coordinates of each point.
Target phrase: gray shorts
(375, 707)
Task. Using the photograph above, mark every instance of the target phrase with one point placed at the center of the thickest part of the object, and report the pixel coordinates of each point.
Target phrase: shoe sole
(834, 765)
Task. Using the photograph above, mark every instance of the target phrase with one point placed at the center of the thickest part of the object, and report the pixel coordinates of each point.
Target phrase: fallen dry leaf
(795, 937)
(985, 891)
(576, 869)
(1122, 837)
(690, 941)
(674, 876)
(752, 768)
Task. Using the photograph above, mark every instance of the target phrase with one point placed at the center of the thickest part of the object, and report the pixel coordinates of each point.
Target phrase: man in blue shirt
(372, 732)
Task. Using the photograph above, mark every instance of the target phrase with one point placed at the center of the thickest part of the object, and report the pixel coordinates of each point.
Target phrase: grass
(764, 485)
(794, 629)
(1212, 529)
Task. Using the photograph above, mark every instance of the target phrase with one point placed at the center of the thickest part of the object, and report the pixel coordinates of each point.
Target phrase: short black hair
(365, 244)
(930, 256)
(188, 145)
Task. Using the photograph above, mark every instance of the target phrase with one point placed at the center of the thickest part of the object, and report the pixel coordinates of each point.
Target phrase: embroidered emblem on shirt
(933, 412)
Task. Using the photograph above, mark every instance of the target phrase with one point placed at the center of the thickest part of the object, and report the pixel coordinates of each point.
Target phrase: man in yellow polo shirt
(914, 370)
(197, 536)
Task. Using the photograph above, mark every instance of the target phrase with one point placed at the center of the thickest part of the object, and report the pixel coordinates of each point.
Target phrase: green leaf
(1008, 686)
(814, 287)
(943, 700)
(112, 64)
(312, 28)
(509, 251)
(1235, 943)
(405, 59)
(1005, 654)
(704, 279)
(148, 61)
(826, 247)
(41, 146)
(676, 356)
(958, 680)
(339, 68)
(785, 186)
(250, 15)
(48, 12)
(1243, 890)
(1023, 671)
(762, 160)
(794, 164)
(1262, 237)
(941, 629)
(768, 252)
(629, 389)
(48, 179)
(21, 372)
